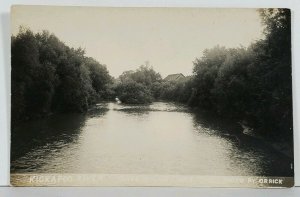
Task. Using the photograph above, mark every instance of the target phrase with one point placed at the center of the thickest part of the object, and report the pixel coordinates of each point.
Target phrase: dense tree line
(252, 85)
(145, 85)
(48, 76)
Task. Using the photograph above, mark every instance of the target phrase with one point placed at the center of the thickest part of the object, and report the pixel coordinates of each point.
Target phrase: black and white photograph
(151, 96)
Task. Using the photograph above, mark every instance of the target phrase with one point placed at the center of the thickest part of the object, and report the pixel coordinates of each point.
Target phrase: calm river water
(161, 138)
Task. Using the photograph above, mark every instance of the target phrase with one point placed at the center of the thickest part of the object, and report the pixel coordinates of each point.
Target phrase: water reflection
(160, 138)
(134, 110)
(157, 106)
(246, 151)
(34, 142)
(98, 110)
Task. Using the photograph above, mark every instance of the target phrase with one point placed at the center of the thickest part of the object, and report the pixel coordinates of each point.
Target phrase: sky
(170, 39)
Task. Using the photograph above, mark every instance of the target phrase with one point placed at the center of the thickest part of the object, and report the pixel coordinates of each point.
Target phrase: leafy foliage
(254, 84)
(131, 92)
(139, 86)
(48, 76)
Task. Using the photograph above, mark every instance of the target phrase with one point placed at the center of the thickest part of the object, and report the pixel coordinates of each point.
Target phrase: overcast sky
(124, 38)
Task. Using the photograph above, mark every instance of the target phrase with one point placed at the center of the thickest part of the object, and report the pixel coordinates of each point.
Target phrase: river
(160, 138)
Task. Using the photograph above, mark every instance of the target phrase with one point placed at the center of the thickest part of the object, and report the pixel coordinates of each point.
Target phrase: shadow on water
(31, 135)
(133, 110)
(33, 141)
(98, 110)
(255, 152)
(139, 109)
(53, 132)
(214, 123)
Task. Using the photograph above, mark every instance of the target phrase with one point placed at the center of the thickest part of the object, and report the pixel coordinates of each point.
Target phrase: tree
(25, 66)
(206, 71)
(99, 76)
(144, 75)
(250, 84)
(273, 73)
(131, 92)
(48, 76)
(144, 83)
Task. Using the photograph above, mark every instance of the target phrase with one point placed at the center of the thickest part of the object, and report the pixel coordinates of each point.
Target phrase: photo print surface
(151, 97)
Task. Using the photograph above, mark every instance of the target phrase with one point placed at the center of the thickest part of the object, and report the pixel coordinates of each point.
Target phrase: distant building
(174, 77)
